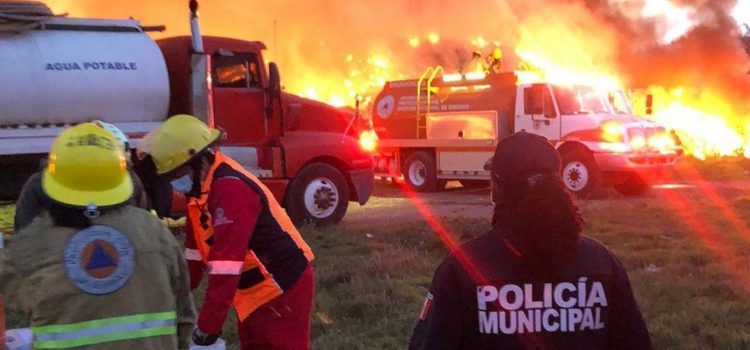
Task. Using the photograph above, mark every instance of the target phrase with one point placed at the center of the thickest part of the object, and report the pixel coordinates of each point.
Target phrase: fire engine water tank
(75, 70)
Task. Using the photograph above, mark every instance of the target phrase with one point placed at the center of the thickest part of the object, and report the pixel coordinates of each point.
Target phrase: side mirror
(649, 104)
(274, 81)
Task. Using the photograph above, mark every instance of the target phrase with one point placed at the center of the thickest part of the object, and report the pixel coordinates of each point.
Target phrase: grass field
(687, 253)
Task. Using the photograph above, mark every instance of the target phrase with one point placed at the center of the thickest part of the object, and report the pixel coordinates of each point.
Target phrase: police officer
(32, 201)
(94, 272)
(257, 260)
(533, 281)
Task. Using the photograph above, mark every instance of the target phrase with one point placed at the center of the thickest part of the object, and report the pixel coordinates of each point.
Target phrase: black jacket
(483, 296)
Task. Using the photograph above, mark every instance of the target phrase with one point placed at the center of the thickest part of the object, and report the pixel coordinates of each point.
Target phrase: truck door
(537, 113)
(238, 98)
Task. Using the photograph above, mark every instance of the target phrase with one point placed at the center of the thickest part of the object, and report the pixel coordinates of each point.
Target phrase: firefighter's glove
(204, 339)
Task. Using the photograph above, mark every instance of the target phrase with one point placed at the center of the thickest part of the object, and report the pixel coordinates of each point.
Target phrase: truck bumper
(363, 181)
(635, 161)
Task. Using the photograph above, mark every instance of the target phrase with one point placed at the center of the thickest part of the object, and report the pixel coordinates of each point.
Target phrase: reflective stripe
(105, 330)
(224, 267)
(99, 331)
(192, 254)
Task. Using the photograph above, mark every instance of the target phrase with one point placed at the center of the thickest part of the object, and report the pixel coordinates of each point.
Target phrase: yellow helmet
(178, 140)
(497, 53)
(86, 167)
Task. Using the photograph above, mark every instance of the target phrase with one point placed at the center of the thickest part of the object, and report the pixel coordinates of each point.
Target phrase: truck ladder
(422, 116)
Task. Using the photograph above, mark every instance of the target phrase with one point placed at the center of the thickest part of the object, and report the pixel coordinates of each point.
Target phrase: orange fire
(684, 54)
(705, 122)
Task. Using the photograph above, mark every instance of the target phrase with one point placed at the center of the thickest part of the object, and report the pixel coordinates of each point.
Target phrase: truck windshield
(574, 100)
(620, 102)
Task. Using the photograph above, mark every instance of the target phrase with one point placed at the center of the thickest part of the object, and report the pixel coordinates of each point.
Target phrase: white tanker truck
(58, 71)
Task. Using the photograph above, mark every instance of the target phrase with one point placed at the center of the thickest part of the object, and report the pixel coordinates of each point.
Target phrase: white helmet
(120, 136)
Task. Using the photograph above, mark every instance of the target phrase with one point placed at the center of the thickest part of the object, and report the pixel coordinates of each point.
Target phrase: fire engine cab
(445, 127)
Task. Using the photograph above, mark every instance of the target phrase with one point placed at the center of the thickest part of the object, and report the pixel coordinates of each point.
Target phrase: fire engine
(59, 71)
(444, 127)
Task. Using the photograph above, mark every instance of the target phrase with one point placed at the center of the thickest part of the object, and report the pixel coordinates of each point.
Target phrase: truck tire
(420, 173)
(474, 184)
(580, 174)
(634, 185)
(318, 195)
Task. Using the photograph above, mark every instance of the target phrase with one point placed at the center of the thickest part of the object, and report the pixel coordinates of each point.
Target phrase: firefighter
(32, 200)
(494, 61)
(257, 260)
(532, 281)
(93, 271)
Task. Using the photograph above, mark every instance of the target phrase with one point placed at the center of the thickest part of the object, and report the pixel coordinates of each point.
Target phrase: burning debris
(687, 54)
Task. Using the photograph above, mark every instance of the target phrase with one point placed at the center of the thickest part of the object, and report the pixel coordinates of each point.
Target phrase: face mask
(183, 184)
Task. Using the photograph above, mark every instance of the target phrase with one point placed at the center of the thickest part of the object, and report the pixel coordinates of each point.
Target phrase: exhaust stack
(200, 79)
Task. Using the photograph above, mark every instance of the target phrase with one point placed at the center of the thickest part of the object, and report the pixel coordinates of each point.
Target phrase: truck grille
(636, 132)
(650, 132)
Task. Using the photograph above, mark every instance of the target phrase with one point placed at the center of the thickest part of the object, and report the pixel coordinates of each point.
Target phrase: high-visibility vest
(105, 330)
(246, 300)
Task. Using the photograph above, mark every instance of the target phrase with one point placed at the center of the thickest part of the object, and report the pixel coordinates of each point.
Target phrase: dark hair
(74, 217)
(196, 164)
(545, 223)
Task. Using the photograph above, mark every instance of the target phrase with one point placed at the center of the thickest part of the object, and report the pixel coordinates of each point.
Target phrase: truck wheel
(580, 173)
(318, 195)
(474, 184)
(420, 173)
(634, 185)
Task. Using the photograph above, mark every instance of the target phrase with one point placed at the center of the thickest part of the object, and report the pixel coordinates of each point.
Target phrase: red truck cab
(305, 151)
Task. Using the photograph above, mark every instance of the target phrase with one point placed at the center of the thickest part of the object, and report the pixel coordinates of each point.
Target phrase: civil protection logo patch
(99, 260)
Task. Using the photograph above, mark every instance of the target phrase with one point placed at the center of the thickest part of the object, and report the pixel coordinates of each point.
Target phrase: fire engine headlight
(638, 142)
(612, 131)
(637, 138)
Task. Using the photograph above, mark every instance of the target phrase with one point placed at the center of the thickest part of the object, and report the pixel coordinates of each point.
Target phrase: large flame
(688, 54)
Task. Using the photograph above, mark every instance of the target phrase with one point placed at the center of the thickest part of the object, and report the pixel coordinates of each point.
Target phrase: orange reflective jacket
(259, 283)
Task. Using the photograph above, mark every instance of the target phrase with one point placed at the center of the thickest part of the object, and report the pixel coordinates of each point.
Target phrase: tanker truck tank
(74, 70)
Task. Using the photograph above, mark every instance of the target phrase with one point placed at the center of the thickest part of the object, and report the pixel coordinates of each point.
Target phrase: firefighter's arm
(193, 257)
(181, 288)
(443, 317)
(626, 328)
(234, 212)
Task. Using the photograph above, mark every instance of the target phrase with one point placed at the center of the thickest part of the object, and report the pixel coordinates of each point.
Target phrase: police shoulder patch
(99, 260)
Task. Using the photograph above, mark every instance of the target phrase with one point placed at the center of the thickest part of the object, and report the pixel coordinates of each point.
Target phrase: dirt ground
(390, 204)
